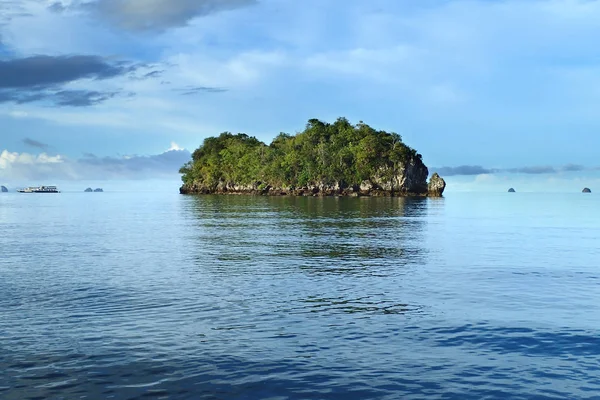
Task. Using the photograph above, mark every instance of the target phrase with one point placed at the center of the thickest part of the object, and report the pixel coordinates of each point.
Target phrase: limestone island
(326, 159)
(98, 190)
(3, 189)
(586, 190)
(511, 190)
(88, 190)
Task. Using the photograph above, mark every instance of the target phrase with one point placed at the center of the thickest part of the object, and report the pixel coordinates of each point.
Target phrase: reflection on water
(331, 235)
(236, 297)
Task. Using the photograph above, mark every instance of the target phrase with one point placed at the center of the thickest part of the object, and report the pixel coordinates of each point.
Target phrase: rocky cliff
(410, 179)
(436, 186)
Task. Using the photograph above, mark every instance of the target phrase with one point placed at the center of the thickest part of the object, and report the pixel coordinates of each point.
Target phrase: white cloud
(175, 147)
(18, 114)
(235, 73)
(8, 159)
(24, 166)
(380, 64)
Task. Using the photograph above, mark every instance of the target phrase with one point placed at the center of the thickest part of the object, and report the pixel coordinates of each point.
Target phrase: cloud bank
(464, 170)
(42, 78)
(469, 170)
(34, 168)
(48, 71)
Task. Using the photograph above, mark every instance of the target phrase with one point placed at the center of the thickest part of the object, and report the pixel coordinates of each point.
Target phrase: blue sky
(492, 93)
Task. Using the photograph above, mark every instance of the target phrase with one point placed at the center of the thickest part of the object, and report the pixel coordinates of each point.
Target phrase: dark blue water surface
(148, 296)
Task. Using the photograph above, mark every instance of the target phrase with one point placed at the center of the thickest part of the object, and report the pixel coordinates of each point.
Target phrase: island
(511, 190)
(98, 190)
(88, 190)
(326, 159)
(3, 189)
(586, 190)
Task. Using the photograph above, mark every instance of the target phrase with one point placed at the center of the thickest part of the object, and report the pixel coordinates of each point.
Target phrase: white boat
(39, 189)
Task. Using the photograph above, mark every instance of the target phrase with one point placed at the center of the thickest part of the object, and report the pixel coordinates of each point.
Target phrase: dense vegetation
(323, 154)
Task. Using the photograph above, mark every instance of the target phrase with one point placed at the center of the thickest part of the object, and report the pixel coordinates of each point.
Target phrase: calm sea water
(141, 296)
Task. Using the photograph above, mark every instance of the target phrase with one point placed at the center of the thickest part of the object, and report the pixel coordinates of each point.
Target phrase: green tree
(323, 154)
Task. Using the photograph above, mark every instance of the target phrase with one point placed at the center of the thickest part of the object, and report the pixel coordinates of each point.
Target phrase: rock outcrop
(88, 190)
(409, 180)
(436, 186)
(3, 189)
(511, 190)
(586, 190)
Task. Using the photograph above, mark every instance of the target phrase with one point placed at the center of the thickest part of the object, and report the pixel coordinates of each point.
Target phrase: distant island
(3, 189)
(587, 190)
(89, 190)
(326, 159)
(511, 190)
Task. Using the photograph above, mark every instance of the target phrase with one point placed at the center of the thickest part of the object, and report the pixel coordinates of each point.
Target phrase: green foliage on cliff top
(338, 153)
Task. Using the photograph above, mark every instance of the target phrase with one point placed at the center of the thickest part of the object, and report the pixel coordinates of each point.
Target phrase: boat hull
(41, 189)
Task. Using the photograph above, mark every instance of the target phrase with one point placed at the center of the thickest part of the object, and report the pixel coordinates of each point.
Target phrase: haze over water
(128, 295)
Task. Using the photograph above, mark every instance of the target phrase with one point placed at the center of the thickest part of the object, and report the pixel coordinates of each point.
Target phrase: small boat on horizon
(39, 189)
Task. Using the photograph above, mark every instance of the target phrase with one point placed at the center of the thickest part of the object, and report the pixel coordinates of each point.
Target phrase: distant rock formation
(436, 185)
(98, 190)
(586, 190)
(3, 189)
(511, 190)
(88, 190)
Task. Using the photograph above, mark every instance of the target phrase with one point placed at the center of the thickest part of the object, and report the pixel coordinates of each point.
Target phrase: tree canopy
(336, 153)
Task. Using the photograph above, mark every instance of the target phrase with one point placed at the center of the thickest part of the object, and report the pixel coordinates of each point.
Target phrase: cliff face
(410, 179)
(436, 186)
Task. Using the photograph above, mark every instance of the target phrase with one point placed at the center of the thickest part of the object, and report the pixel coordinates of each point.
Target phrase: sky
(493, 94)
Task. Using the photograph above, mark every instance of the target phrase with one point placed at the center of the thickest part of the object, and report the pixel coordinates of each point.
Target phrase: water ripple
(242, 298)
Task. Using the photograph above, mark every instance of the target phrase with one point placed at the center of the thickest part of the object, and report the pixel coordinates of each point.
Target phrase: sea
(155, 295)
